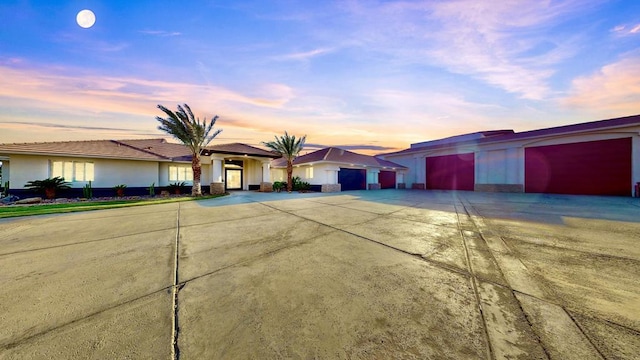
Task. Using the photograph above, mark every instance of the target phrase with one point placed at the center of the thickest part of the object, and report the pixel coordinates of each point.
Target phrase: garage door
(588, 168)
(387, 179)
(451, 172)
(352, 179)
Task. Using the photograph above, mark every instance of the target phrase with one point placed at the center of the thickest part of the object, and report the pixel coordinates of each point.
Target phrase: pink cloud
(614, 89)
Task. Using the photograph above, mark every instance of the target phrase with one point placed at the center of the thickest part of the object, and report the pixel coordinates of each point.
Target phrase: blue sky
(373, 76)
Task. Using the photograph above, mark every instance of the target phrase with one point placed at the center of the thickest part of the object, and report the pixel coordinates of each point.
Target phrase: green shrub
(177, 188)
(49, 187)
(87, 191)
(119, 189)
(5, 191)
(152, 189)
(299, 185)
(278, 186)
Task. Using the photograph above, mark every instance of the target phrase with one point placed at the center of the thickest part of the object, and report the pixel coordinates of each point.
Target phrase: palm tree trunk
(196, 190)
(289, 175)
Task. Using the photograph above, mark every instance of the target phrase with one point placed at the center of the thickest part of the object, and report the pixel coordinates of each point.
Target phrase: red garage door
(387, 179)
(451, 172)
(588, 168)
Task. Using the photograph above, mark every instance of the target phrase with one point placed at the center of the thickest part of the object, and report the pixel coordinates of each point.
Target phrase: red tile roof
(339, 156)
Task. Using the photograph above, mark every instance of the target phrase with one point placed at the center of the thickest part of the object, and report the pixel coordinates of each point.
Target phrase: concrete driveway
(356, 275)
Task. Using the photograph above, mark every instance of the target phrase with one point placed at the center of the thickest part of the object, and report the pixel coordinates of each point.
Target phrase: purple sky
(372, 75)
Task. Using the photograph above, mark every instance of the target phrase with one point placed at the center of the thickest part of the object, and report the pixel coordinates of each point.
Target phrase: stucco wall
(6, 172)
(278, 174)
(25, 168)
(107, 172)
(252, 173)
(503, 163)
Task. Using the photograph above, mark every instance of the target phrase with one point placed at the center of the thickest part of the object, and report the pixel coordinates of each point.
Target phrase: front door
(234, 179)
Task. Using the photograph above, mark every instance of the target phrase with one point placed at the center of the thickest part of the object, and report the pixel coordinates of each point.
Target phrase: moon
(86, 18)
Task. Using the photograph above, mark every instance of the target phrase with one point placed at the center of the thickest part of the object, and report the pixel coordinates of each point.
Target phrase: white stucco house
(592, 158)
(334, 169)
(135, 163)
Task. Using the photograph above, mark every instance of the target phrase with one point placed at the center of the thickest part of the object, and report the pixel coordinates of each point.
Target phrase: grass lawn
(43, 209)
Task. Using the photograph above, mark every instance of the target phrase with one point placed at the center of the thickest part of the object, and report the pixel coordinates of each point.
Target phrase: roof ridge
(54, 142)
(147, 151)
(327, 154)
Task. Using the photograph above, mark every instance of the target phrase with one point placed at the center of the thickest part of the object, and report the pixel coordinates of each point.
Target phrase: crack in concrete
(81, 242)
(95, 313)
(583, 332)
(175, 288)
(476, 293)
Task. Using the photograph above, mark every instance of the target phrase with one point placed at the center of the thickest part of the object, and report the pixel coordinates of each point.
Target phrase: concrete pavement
(365, 274)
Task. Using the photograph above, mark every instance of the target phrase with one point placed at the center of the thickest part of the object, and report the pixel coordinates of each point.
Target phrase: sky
(369, 76)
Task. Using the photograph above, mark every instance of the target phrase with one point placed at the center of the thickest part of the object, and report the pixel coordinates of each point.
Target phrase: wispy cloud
(626, 30)
(304, 55)
(161, 33)
(98, 93)
(503, 43)
(612, 91)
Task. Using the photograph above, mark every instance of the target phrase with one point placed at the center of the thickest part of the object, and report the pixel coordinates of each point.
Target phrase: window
(72, 170)
(180, 173)
(308, 173)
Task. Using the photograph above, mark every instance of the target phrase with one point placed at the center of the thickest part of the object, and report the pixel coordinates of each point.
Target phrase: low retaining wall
(508, 188)
(331, 188)
(266, 187)
(217, 188)
(374, 186)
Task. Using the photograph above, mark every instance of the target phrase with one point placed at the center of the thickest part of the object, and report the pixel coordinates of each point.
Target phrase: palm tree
(288, 147)
(185, 127)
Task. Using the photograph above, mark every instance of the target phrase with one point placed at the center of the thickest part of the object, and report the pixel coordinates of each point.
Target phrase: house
(592, 158)
(333, 169)
(135, 163)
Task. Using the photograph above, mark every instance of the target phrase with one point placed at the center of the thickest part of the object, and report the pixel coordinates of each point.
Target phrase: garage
(352, 179)
(600, 167)
(451, 172)
(387, 179)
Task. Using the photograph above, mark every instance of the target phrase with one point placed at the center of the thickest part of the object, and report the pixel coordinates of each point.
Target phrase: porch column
(266, 171)
(217, 184)
(331, 184)
(400, 184)
(372, 177)
(266, 185)
(419, 173)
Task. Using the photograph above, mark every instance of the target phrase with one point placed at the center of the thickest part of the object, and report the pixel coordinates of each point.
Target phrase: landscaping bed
(64, 205)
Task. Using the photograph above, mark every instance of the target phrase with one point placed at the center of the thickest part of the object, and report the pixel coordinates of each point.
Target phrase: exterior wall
(278, 174)
(25, 168)
(635, 160)
(500, 166)
(107, 172)
(322, 174)
(252, 173)
(6, 172)
(325, 175)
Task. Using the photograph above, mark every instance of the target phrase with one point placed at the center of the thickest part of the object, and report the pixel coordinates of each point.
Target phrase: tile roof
(90, 148)
(145, 149)
(510, 136)
(241, 149)
(161, 147)
(340, 156)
